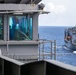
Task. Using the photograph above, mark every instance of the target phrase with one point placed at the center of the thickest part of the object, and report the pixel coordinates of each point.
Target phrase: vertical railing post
(39, 50)
(54, 49)
(43, 50)
(51, 51)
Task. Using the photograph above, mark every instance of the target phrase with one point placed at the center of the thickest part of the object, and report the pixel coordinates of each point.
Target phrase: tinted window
(1, 27)
(20, 27)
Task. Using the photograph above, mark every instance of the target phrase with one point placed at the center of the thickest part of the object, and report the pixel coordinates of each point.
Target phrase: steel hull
(70, 46)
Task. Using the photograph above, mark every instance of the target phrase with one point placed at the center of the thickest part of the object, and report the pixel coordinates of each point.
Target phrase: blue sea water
(57, 33)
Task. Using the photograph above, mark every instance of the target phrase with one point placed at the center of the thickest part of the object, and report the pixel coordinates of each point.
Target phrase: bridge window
(20, 27)
(1, 27)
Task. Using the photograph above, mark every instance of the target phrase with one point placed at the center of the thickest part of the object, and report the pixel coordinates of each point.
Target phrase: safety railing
(47, 49)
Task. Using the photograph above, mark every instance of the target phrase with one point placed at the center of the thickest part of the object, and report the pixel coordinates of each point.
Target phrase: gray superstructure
(19, 28)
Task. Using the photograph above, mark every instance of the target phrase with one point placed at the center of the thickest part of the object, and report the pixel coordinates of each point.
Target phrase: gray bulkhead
(19, 49)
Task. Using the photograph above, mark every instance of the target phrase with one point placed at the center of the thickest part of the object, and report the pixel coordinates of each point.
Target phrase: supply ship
(70, 38)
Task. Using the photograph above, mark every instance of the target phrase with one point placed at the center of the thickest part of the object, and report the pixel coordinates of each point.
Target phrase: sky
(62, 13)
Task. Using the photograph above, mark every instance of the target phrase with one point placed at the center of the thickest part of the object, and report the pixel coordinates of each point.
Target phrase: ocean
(57, 33)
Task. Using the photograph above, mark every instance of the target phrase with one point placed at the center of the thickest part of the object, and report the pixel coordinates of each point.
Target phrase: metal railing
(47, 49)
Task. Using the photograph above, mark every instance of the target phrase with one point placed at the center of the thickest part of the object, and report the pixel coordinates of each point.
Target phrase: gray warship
(70, 38)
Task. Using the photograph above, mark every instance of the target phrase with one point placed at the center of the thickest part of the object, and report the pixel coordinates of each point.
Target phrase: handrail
(51, 47)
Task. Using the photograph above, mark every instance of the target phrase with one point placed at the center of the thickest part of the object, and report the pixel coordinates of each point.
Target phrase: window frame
(29, 23)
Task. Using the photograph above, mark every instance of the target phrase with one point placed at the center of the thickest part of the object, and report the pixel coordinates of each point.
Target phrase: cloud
(55, 8)
(62, 12)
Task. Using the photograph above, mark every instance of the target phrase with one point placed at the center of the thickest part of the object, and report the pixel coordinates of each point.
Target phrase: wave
(74, 52)
(60, 46)
(65, 47)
